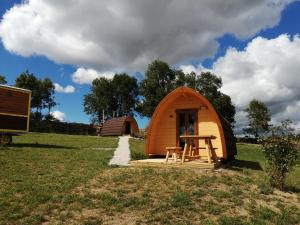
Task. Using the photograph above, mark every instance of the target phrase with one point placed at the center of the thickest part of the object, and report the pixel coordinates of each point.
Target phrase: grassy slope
(41, 168)
(76, 193)
(251, 156)
(250, 159)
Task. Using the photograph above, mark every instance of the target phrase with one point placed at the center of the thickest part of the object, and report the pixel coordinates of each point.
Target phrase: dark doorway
(186, 124)
(127, 128)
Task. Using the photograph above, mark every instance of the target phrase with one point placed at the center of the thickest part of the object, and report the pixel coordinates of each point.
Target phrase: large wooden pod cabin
(186, 112)
(125, 125)
(14, 112)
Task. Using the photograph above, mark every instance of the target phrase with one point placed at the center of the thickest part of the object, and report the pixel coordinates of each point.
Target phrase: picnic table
(189, 145)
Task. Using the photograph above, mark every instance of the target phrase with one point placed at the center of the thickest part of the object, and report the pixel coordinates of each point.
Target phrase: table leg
(167, 155)
(190, 151)
(213, 152)
(208, 151)
(184, 152)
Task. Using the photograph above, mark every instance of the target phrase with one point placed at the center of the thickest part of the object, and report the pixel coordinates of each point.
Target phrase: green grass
(137, 149)
(63, 179)
(172, 196)
(250, 157)
(250, 152)
(39, 169)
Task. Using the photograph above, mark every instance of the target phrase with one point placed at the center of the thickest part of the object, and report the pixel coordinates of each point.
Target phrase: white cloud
(126, 35)
(59, 115)
(67, 89)
(191, 68)
(86, 76)
(267, 70)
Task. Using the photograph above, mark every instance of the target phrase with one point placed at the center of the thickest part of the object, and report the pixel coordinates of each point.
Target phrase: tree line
(124, 95)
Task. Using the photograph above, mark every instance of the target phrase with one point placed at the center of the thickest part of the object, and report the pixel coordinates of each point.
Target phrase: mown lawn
(250, 158)
(39, 169)
(137, 147)
(76, 186)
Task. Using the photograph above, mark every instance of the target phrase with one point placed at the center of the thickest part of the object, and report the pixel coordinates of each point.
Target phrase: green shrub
(281, 152)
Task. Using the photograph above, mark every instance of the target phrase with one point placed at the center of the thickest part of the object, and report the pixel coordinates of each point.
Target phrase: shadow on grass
(243, 164)
(37, 145)
(292, 189)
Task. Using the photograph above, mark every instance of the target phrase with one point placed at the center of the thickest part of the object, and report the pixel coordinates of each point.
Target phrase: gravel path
(122, 154)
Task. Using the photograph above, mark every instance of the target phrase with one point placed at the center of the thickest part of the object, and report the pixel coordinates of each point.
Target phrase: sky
(254, 46)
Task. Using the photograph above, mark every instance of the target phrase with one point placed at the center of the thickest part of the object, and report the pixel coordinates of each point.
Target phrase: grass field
(39, 169)
(137, 149)
(63, 179)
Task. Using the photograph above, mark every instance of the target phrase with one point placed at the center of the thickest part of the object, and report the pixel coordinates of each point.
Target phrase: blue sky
(44, 60)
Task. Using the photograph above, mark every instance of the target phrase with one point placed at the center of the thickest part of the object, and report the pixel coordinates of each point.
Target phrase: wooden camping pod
(120, 126)
(14, 109)
(169, 118)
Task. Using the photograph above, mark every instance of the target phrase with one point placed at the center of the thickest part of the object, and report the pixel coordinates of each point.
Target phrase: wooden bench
(190, 148)
(211, 153)
(174, 152)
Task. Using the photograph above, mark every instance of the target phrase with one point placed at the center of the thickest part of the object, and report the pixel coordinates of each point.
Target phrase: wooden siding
(162, 129)
(14, 109)
(13, 102)
(116, 126)
(208, 126)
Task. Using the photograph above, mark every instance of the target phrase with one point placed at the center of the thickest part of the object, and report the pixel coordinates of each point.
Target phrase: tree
(100, 99)
(126, 91)
(259, 118)
(117, 96)
(2, 80)
(281, 152)
(42, 91)
(47, 88)
(28, 81)
(209, 85)
(159, 81)
(225, 108)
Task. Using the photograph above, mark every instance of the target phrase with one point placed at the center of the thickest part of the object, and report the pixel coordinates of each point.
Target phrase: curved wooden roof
(173, 95)
(114, 126)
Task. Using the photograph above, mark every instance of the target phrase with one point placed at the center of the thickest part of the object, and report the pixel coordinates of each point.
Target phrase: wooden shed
(186, 112)
(14, 112)
(125, 125)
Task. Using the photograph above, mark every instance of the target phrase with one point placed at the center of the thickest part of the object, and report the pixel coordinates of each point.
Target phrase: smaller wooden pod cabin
(186, 112)
(125, 125)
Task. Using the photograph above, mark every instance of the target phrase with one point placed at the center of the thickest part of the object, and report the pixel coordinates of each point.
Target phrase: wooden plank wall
(164, 130)
(209, 126)
(14, 112)
(13, 102)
